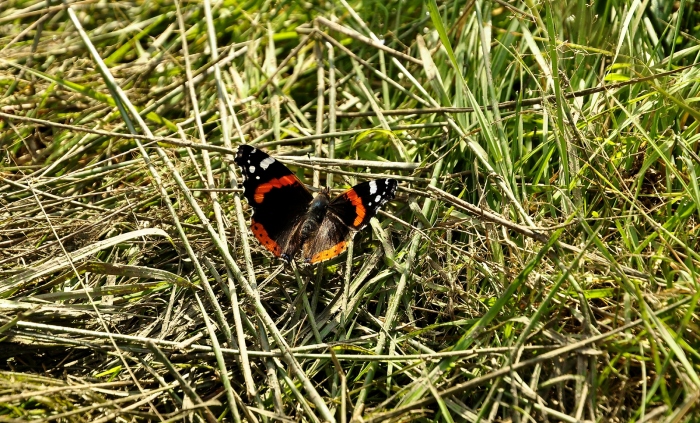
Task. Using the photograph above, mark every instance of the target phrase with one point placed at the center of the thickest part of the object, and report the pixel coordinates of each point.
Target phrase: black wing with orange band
(351, 210)
(356, 206)
(278, 198)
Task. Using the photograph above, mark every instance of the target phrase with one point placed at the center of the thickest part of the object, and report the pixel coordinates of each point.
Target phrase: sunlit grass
(538, 264)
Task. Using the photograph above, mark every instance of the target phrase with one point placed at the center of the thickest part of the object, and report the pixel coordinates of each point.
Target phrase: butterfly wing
(330, 240)
(279, 200)
(348, 212)
(356, 206)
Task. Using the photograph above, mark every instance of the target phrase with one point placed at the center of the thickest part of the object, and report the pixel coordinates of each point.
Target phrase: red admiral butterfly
(287, 218)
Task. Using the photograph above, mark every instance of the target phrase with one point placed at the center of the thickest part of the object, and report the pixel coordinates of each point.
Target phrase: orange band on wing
(263, 189)
(359, 207)
(329, 253)
(261, 235)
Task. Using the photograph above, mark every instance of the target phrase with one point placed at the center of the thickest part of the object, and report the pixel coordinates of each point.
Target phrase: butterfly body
(315, 215)
(288, 219)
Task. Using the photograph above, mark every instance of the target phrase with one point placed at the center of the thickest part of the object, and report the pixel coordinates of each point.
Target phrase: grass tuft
(540, 261)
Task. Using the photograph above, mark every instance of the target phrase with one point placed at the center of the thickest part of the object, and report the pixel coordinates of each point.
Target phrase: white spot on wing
(251, 169)
(378, 198)
(372, 187)
(369, 204)
(257, 177)
(266, 163)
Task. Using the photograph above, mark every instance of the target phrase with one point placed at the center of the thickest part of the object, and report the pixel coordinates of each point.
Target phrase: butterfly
(288, 219)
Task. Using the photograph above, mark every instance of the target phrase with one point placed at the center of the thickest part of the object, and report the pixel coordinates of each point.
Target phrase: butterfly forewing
(279, 200)
(348, 212)
(356, 206)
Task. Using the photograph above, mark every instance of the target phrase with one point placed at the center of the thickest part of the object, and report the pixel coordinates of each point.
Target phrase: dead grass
(538, 264)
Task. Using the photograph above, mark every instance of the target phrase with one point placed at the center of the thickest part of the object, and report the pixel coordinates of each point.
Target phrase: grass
(538, 264)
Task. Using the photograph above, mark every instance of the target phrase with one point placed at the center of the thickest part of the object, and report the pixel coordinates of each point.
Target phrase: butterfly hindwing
(279, 200)
(347, 213)
(330, 240)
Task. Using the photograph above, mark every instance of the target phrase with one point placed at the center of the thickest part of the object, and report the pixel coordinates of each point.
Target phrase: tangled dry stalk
(539, 263)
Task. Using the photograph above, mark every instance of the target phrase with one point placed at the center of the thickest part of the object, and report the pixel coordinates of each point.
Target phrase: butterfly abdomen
(315, 215)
